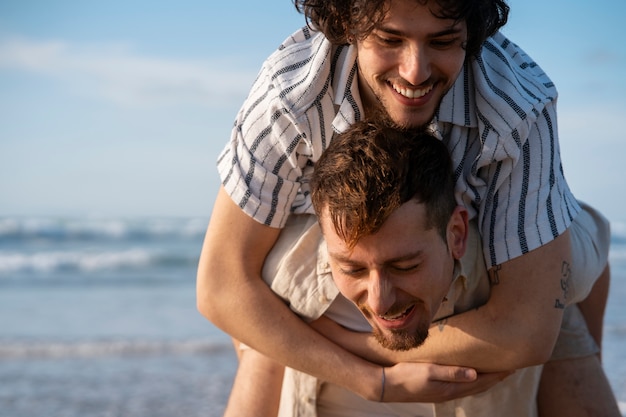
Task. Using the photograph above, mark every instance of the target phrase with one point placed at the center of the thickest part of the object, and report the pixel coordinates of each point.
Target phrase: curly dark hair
(343, 20)
(372, 169)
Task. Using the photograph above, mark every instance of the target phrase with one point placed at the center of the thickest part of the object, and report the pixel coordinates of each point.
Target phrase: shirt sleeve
(527, 201)
(262, 165)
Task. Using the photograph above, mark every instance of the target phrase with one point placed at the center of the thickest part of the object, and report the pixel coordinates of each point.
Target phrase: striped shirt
(498, 121)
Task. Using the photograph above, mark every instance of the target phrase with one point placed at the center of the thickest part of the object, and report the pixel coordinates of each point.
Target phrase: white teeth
(391, 318)
(412, 93)
(396, 317)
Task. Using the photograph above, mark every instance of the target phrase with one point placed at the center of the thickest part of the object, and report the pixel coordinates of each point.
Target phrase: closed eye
(444, 43)
(388, 40)
(352, 272)
(405, 269)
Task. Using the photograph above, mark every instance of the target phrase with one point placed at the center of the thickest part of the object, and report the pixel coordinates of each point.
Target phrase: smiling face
(408, 63)
(399, 275)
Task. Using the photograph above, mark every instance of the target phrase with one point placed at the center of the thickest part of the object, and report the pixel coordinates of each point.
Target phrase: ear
(458, 230)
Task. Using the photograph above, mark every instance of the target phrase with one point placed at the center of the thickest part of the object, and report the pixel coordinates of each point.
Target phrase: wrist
(370, 383)
(382, 385)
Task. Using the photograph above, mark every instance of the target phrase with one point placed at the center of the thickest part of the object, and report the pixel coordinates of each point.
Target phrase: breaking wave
(91, 349)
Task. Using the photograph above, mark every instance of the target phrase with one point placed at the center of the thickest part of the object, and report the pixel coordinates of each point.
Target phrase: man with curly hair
(440, 65)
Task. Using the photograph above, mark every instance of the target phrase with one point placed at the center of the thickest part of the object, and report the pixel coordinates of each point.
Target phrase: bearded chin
(401, 340)
(380, 113)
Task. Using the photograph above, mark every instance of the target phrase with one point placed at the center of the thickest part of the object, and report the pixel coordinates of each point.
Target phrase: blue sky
(120, 108)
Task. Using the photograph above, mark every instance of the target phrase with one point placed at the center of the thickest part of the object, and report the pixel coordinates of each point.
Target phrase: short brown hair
(372, 169)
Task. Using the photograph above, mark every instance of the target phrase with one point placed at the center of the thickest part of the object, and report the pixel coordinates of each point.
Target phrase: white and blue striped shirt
(498, 120)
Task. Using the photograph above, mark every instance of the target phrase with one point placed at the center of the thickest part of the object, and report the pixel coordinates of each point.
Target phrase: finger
(482, 383)
(453, 373)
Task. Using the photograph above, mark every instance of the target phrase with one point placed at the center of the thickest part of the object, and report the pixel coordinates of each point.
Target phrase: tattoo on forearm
(494, 278)
(566, 273)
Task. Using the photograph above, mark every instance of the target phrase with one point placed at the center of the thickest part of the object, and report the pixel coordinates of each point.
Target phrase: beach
(98, 318)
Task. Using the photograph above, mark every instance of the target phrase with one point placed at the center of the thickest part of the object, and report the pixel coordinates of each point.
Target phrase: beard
(380, 114)
(379, 110)
(401, 340)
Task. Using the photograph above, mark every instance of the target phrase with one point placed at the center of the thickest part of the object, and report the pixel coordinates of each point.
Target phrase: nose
(380, 294)
(415, 66)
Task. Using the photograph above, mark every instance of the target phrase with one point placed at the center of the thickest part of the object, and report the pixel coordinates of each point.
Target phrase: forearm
(446, 344)
(488, 343)
(454, 341)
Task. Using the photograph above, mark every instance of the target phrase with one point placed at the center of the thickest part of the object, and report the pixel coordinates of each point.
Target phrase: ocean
(98, 318)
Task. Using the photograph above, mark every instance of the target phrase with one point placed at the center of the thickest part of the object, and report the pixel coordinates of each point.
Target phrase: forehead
(424, 14)
(403, 233)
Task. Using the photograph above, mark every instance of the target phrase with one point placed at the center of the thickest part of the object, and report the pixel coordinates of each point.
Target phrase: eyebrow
(453, 30)
(407, 257)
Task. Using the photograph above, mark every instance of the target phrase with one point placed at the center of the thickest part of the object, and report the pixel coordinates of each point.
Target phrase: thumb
(454, 374)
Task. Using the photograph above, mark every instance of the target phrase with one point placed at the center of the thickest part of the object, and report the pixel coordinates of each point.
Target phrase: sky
(120, 108)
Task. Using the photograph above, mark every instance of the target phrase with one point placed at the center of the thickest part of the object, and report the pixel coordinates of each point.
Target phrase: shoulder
(502, 58)
(510, 85)
(299, 70)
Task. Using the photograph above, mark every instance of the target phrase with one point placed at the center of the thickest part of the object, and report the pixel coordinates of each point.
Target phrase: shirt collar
(458, 105)
(458, 285)
(345, 83)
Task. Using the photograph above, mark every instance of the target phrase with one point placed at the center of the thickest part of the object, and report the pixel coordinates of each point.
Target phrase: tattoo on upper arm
(566, 273)
(494, 278)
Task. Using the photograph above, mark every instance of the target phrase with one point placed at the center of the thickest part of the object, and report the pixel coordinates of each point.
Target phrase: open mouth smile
(397, 317)
(411, 93)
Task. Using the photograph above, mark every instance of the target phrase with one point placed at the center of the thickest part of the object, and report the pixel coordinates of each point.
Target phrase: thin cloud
(602, 56)
(118, 74)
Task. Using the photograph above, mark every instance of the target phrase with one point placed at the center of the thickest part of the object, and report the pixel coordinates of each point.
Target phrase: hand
(431, 383)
